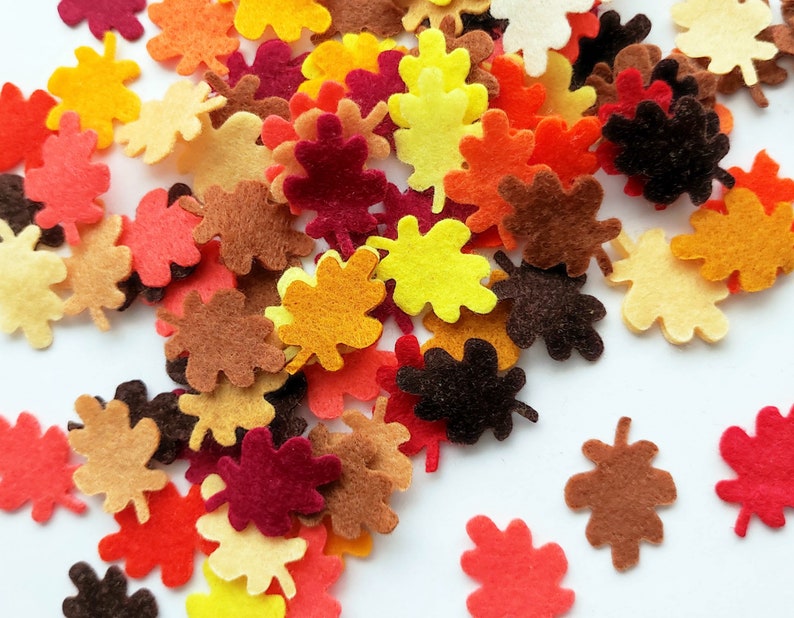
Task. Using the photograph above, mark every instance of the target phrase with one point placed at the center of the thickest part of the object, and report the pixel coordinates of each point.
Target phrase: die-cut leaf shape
(667, 290)
(469, 394)
(117, 455)
(24, 129)
(630, 91)
(242, 98)
(421, 10)
(68, 183)
(106, 597)
(95, 268)
(336, 545)
(96, 90)
(480, 46)
(287, 423)
(763, 464)
(764, 181)
(549, 304)
(205, 461)
(231, 600)
(287, 20)
(413, 255)
(725, 31)
(567, 150)
(745, 240)
(518, 99)
(561, 225)
(582, 25)
(34, 467)
(516, 578)
(247, 553)
(561, 101)
(334, 311)
(26, 276)
(278, 72)
(622, 492)
(19, 211)
(195, 31)
(168, 539)
(268, 485)
(104, 15)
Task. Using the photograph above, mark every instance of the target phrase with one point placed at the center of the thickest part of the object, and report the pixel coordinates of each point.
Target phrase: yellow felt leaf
(423, 267)
(248, 553)
(26, 300)
(226, 155)
(228, 407)
(94, 270)
(667, 289)
(162, 122)
(117, 455)
(435, 124)
(570, 105)
(231, 600)
(286, 17)
(96, 90)
(435, 12)
(432, 45)
(333, 60)
(745, 239)
(725, 31)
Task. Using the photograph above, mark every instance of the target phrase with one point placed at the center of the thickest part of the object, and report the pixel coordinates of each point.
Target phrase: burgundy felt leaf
(279, 73)
(270, 484)
(397, 205)
(24, 129)
(104, 15)
(205, 461)
(337, 186)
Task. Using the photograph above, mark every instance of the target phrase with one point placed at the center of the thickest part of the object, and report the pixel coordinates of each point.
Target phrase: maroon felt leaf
(397, 205)
(279, 73)
(205, 461)
(389, 309)
(104, 15)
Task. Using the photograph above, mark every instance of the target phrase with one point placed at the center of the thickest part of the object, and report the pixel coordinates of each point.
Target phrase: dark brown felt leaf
(260, 287)
(242, 98)
(250, 225)
(622, 493)
(19, 211)
(383, 18)
(560, 225)
(106, 597)
(287, 423)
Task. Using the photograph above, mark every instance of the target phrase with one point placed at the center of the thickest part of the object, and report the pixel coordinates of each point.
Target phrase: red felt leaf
(68, 183)
(400, 407)
(764, 181)
(159, 236)
(631, 91)
(24, 129)
(517, 579)
(278, 72)
(765, 465)
(168, 539)
(337, 186)
(521, 103)
(567, 150)
(270, 484)
(35, 468)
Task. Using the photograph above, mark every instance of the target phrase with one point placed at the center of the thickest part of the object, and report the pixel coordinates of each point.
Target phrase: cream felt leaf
(249, 553)
(725, 31)
(435, 12)
(117, 455)
(162, 122)
(667, 290)
(26, 300)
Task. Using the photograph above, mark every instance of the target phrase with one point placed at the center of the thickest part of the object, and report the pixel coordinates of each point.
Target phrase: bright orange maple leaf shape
(520, 102)
(567, 151)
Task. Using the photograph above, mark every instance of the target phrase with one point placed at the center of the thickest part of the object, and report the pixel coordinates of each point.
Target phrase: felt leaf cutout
(161, 123)
(270, 484)
(228, 407)
(67, 163)
(469, 394)
(549, 304)
(665, 289)
(336, 545)
(763, 180)
(248, 553)
(630, 91)
(24, 129)
(104, 15)
(582, 25)
(168, 539)
(226, 155)
(205, 461)
(570, 105)
(278, 72)
(34, 467)
(517, 579)
(567, 150)
(117, 456)
(381, 17)
(287, 423)
(763, 466)
(480, 46)
(725, 31)
(622, 492)
(106, 597)
(250, 227)
(95, 268)
(356, 378)
(161, 235)
(26, 276)
(561, 225)
(537, 27)
(242, 98)
(334, 311)
(96, 90)
(413, 255)
(19, 212)
(287, 19)
(421, 10)
(519, 100)
(231, 600)
(195, 31)
(745, 240)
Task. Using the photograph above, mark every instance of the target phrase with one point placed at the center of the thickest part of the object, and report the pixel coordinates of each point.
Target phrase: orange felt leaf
(763, 180)
(357, 378)
(519, 101)
(337, 545)
(195, 31)
(24, 129)
(567, 151)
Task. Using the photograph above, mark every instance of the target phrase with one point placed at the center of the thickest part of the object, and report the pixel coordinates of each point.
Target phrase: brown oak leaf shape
(622, 493)
(383, 18)
(560, 225)
(250, 225)
(242, 98)
(219, 336)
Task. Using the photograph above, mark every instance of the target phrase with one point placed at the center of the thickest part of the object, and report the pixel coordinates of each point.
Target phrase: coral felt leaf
(231, 600)
(24, 129)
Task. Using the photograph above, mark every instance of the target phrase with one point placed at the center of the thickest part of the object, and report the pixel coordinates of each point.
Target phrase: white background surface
(680, 398)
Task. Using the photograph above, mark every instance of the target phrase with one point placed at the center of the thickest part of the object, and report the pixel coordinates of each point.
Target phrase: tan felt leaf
(242, 98)
(420, 10)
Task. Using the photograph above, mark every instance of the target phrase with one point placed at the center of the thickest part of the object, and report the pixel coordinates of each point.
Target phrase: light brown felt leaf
(242, 98)
(117, 455)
